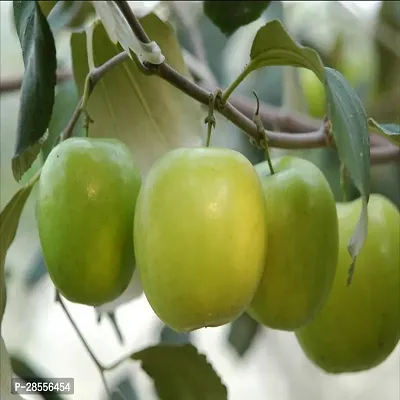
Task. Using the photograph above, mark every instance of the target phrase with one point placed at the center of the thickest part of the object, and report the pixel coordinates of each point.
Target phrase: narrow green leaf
(350, 131)
(22, 368)
(37, 91)
(119, 31)
(272, 45)
(63, 13)
(9, 219)
(146, 113)
(242, 333)
(389, 131)
(181, 373)
(229, 16)
(66, 14)
(6, 374)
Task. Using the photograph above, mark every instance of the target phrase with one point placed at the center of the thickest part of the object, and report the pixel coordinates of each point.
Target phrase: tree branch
(92, 79)
(84, 342)
(298, 130)
(14, 84)
(316, 138)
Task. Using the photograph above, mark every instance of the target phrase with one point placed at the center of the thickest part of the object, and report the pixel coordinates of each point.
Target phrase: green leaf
(229, 16)
(22, 368)
(146, 113)
(389, 131)
(6, 373)
(242, 333)
(9, 219)
(119, 31)
(66, 14)
(350, 131)
(37, 91)
(181, 373)
(272, 45)
(66, 100)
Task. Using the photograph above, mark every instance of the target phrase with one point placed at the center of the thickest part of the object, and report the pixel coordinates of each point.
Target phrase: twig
(260, 126)
(92, 79)
(309, 139)
(84, 342)
(133, 22)
(13, 84)
(299, 131)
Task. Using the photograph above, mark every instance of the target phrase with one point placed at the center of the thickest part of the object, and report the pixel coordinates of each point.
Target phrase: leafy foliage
(180, 372)
(37, 92)
(389, 131)
(350, 130)
(22, 368)
(273, 46)
(64, 14)
(119, 32)
(148, 114)
(230, 17)
(9, 219)
(69, 14)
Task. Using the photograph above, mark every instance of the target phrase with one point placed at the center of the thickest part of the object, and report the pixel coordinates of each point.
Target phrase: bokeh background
(362, 40)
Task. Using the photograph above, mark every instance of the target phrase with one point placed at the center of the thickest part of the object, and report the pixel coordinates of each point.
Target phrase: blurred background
(360, 39)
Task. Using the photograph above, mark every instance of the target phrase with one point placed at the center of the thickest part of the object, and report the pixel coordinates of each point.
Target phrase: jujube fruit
(85, 211)
(302, 244)
(200, 236)
(358, 327)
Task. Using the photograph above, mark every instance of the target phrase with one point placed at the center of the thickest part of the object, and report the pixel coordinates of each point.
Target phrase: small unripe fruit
(85, 211)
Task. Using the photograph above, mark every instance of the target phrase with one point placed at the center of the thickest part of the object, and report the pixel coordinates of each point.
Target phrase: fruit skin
(358, 327)
(85, 211)
(200, 236)
(302, 244)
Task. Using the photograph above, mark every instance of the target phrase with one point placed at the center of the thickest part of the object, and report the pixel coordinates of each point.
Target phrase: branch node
(263, 140)
(210, 119)
(327, 132)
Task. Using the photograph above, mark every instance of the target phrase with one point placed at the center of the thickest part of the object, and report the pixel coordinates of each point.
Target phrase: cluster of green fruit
(213, 237)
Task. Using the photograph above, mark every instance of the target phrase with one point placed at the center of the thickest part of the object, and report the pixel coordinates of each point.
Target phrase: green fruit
(358, 327)
(87, 195)
(200, 236)
(302, 244)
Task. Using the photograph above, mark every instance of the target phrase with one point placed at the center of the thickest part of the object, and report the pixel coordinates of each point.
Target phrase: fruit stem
(261, 130)
(85, 344)
(229, 90)
(210, 119)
